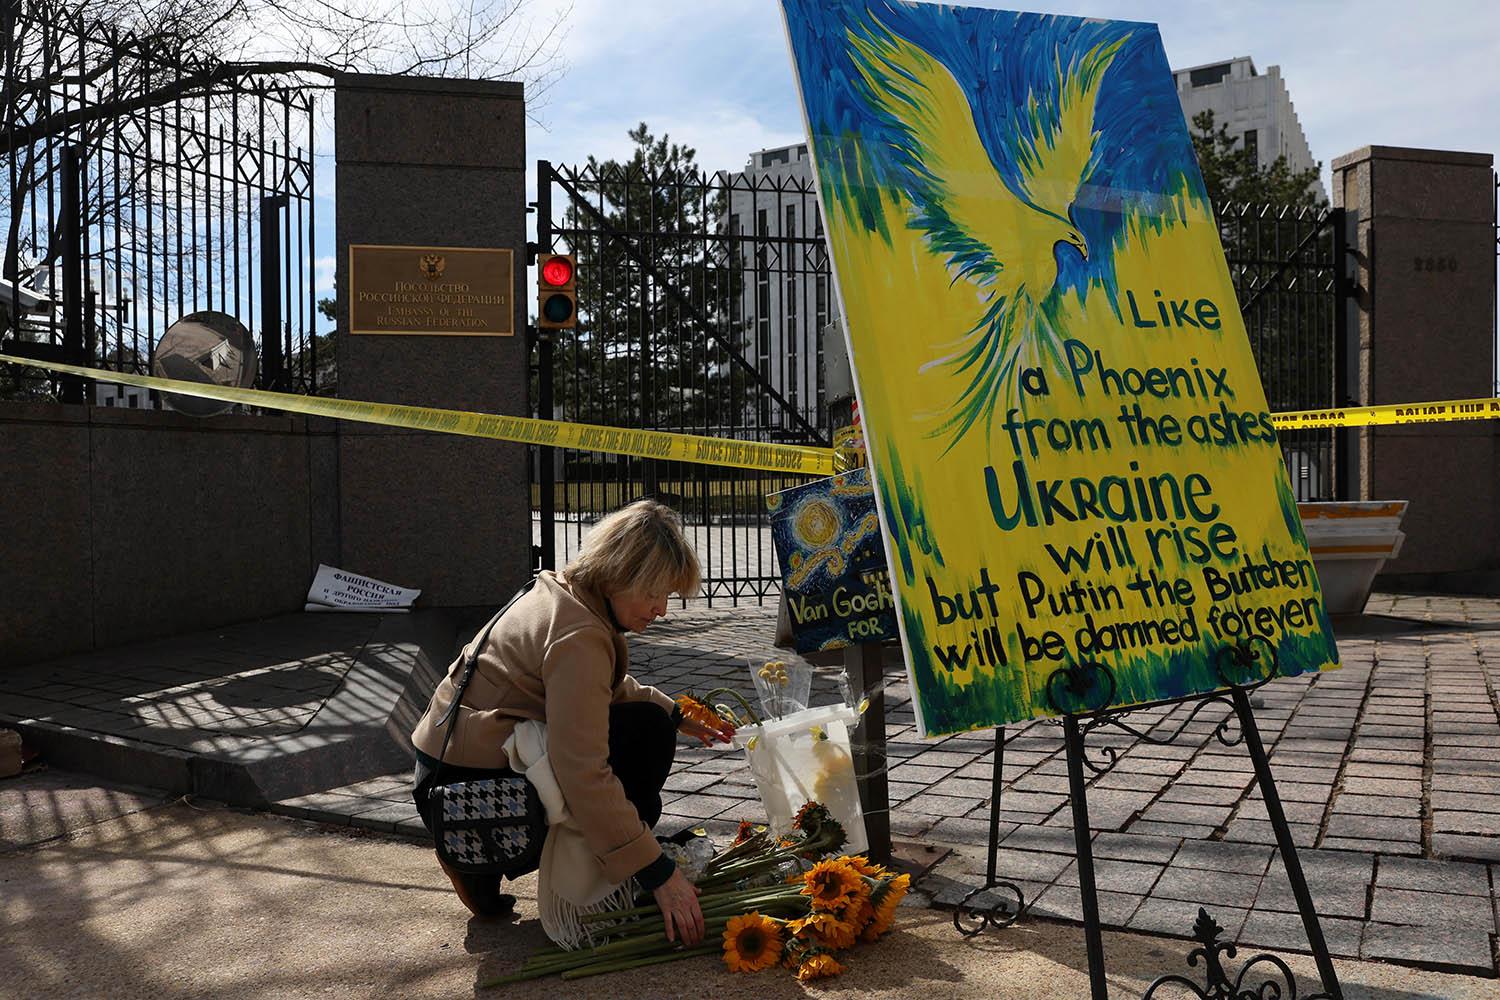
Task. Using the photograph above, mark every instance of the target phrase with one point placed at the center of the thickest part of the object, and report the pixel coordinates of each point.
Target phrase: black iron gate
(141, 183)
(701, 303)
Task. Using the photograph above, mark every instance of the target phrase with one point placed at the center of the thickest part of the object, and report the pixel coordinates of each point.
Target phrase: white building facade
(787, 295)
(1256, 107)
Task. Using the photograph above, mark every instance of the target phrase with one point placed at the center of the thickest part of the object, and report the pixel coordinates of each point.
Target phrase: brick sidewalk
(1389, 769)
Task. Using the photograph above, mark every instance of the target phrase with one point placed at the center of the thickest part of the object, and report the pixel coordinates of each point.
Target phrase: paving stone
(1177, 917)
(945, 805)
(1202, 794)
(968, 788)
(1453, 845)
(1034, 838)
(1134, 877)
(1228, 888)
(1182, 812)
(1126, 781)
(966, 830)
(386, 816)
(1371, 846)
(1295, 812)
(1063, 902)
(944, 758)
(1391, 806)
(1032, 866)
(1186, 830)
(1431, 909)
(1338, 881)
(913, 772)
(1471, 766)
(1465, 801)
(1286, 932)
(1034, 802)
(1245, 859)
(1460, 949)
(1454, 821)
(1465, 784)
(1373, 827)
(690, 781)
(1135, 847)
(1433, 876)
(1258, 831)
(1385, 787)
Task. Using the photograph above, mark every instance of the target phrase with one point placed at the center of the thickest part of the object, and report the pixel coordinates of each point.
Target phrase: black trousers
(642, 746)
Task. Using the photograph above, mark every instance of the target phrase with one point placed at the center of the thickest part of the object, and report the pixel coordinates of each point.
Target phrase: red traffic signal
(557, 300)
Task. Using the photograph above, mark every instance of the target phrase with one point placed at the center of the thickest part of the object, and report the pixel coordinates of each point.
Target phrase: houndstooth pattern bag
(489, 826)
(486, 826)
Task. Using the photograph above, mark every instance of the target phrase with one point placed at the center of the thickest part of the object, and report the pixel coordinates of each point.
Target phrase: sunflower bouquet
(771, 900)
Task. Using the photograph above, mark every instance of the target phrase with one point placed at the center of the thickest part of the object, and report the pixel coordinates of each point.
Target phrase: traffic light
(557, 296)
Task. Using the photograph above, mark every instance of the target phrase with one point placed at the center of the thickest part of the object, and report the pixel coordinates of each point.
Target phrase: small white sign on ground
(336, 589)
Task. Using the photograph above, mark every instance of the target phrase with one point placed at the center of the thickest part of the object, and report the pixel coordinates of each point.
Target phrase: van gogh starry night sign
(834, 583)
(1070, 442)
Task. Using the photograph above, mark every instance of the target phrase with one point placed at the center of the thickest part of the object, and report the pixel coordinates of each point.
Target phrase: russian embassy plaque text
(433, 291)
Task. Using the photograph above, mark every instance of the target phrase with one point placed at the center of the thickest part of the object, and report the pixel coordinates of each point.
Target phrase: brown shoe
(480, 893)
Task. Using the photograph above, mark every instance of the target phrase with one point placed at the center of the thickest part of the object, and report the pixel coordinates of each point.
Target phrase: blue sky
(716, 74)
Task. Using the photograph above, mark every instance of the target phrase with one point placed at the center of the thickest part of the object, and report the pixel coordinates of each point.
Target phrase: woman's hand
(678, 899)
(706, 734)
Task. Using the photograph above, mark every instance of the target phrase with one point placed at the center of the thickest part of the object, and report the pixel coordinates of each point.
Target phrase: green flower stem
(594, 970)
(707, 899)
(737, 697)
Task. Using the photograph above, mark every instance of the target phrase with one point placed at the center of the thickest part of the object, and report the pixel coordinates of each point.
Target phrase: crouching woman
(558, 655)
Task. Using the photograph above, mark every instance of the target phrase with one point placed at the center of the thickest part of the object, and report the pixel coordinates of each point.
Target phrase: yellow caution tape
(1390, 413)
(672, 447)
(664, 445)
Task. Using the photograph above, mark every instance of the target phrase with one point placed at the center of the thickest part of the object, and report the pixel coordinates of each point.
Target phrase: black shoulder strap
(450, 716)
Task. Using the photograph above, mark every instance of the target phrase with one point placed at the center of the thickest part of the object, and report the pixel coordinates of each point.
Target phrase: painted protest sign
(1072, 452)
(834, 580)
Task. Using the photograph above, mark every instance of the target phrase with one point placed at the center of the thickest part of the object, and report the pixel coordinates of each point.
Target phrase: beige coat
(554, 657)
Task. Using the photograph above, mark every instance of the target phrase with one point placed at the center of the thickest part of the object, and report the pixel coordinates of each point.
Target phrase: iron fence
(702, 299)
(142, 183)
(1285, 266)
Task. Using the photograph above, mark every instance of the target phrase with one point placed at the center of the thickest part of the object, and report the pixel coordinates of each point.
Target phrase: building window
(820, 306)
(1252, 144)
(791, 222)
(817, 222)
(1208, 75)
(762, 222)
(776, 156)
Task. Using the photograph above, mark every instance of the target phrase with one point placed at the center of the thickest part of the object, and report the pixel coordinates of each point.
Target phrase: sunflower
(860, 914)
(866, 867)
(833, 933)
(832, 885)
(885, 901)
(699, 711)
(818, 966)
(751, 943)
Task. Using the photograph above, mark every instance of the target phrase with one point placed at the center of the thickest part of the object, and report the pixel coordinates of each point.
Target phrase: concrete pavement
(168, 900)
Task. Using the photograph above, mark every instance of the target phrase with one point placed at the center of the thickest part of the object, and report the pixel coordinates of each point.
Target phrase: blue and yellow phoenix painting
(1072, 451)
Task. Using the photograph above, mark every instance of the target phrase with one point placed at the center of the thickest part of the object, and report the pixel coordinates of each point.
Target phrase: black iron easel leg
(1093, 938)
(996, 777)
(1284, 842)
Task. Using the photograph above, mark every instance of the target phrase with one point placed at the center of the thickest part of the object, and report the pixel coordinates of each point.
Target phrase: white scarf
(571, 879)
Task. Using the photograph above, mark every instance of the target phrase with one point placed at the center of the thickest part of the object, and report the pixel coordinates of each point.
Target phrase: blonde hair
(639, 547)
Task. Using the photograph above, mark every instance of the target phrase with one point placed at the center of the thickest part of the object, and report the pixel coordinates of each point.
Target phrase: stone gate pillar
(432, 163)
(1425, 313)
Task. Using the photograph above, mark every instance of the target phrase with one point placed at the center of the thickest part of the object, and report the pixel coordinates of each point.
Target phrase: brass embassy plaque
(434, 291)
